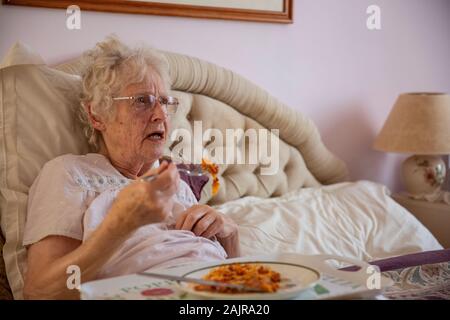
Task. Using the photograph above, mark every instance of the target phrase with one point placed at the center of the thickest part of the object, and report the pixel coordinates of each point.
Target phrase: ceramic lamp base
(423, 175)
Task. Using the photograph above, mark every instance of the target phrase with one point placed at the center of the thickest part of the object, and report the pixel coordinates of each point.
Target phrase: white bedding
(357, 220)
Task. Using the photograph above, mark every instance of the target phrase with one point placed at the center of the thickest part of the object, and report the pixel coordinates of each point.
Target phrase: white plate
(295, 278)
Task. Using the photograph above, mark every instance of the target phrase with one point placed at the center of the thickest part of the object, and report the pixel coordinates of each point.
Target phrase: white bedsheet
(357, 220)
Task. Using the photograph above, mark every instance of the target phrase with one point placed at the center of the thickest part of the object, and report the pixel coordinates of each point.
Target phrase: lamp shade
(419, 123)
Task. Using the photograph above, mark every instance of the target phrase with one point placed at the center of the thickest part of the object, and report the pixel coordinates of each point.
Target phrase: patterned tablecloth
(426, 282)
(415, 276)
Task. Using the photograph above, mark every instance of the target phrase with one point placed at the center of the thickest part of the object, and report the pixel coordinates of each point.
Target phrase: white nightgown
(72, 195)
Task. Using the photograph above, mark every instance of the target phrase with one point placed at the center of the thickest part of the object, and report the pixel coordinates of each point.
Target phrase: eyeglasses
(148, 101)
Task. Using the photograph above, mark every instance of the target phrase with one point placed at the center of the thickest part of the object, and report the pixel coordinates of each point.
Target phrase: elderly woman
(97, 211)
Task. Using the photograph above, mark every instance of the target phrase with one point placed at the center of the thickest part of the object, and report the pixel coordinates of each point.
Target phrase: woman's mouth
(156, 136)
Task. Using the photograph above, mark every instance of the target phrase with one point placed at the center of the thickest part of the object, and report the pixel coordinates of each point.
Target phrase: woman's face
(135, 137)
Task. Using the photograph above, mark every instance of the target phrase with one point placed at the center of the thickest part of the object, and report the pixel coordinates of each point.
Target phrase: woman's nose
(159, 113)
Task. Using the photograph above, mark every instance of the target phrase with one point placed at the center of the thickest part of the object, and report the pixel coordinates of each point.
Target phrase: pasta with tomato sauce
(251, 275)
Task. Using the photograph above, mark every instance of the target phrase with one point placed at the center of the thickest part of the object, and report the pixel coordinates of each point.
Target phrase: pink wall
(326, 65)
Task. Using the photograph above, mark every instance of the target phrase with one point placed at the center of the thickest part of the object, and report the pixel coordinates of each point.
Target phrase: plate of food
(257, 279)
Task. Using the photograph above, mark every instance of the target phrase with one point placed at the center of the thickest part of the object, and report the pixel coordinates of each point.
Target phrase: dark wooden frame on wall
(168, 9)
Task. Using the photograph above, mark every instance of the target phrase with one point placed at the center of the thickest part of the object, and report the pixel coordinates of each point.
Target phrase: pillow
(196, 183)
(5, 290)
(37, 106)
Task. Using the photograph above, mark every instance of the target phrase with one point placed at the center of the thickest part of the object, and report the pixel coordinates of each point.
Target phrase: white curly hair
(109, 67)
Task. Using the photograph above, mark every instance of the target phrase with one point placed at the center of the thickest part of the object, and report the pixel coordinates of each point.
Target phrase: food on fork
(206, 165)
(255, 276)
(213, 170)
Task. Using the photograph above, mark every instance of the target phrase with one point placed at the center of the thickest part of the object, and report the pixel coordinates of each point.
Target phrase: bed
(308, 206)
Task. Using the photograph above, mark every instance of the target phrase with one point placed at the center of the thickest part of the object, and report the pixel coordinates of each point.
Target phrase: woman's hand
(145, 202)
(138, 204)
(206, 222)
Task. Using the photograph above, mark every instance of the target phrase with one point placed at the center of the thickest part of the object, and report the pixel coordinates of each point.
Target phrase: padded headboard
(222, 99)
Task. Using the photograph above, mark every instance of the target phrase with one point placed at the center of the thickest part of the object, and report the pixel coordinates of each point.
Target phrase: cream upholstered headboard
(222, 99)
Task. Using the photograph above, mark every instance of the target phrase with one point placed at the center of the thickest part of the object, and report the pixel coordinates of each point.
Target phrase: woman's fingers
(202, 220)
(213, 229)
(190, 217)
(180, 220)
(162, 166)
(167, 178)
(204, 223)
(155, 171)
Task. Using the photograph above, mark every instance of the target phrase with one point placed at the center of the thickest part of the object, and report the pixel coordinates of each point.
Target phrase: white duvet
(357, 220)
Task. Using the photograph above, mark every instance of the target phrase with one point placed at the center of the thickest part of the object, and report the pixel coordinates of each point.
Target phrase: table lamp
(419, 124)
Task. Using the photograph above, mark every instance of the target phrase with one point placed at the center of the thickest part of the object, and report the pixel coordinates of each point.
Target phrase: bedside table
(433, 215)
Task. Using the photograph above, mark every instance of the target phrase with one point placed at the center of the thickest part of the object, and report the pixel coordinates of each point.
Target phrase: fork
(197, 172)
(202, 282)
